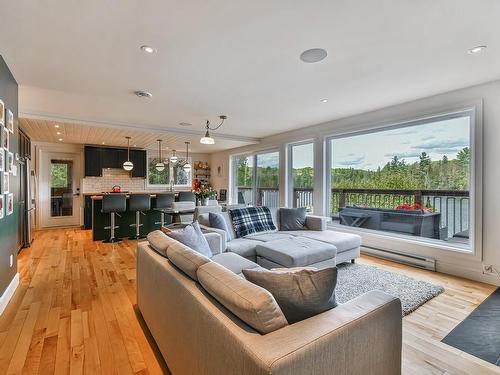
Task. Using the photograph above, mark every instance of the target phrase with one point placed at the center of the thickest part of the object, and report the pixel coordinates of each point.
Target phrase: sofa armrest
(362, 336)
(317, 222)
(215, 242)
(220, 232)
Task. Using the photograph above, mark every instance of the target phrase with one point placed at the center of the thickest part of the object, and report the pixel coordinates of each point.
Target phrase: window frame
(289, 167)
(171, 168)
(474, 111)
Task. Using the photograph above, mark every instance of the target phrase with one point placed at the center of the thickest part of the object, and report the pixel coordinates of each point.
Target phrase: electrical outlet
(488, 269)
(11, 260)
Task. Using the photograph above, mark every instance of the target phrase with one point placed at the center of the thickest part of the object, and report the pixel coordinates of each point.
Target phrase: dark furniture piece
(163, 203)
(139, 203)
(412, 222)
(97, 158)
(113, 204)
(187, 196)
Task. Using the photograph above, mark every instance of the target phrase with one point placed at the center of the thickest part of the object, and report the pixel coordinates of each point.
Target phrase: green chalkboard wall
(9, 225)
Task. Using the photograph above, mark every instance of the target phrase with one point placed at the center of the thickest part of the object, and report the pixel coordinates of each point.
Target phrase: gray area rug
(356, 279)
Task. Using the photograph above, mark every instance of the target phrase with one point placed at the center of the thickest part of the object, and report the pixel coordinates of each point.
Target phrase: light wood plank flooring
(74, 312)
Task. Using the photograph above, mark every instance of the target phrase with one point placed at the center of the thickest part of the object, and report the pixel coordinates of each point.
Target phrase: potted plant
(203, 193)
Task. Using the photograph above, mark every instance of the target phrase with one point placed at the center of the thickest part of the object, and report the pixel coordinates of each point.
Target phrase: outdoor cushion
(243, 246)
(249, 302)
(296, 252)
(186, 259)
(234, 262)
(293, 218)
(192, 237)
(300, 293)
(342, 241)
(251, 220)
(266, 237)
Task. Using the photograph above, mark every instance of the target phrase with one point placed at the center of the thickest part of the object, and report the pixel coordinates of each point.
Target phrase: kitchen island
(150, 220)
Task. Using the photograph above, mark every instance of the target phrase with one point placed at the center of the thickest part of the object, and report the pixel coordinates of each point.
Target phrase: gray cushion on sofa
(266, 237)
(192, 237)
(234, 262)
(342, 241)
(159, 241)
(293, 218)
(299, 293)
(243, 246)
(296, 252)
(186, 259)
(217, 220)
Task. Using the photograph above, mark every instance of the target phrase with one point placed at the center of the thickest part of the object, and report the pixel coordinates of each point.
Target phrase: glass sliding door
(302, 175)
(255, 179)
(412, 180)
(268, 190)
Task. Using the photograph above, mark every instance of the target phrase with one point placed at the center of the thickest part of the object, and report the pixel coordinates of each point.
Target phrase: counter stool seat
(163, 204)
(113, 204)
(139, 203)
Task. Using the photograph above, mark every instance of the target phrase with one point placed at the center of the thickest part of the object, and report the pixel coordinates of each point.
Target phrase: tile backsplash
(111, 177)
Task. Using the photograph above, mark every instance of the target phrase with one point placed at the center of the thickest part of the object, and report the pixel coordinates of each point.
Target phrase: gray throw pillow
(293, 218)
(192, 237)
(300, 293)
(217, 221)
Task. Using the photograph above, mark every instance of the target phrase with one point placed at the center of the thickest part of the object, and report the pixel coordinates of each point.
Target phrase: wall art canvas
(1, 206)
(10, 204)
(2, 113)
(5, 182)
(5, 138)
(10, 121)
(10, 163)
(2, 160)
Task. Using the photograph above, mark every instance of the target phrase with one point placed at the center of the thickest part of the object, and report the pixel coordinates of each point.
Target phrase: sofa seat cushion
(242, 246)
(266, 237)
(249, 302)
(233, 262)
(342, 241)
(296, 251)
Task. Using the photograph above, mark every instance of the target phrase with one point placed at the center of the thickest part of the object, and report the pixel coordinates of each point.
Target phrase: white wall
(485, 96)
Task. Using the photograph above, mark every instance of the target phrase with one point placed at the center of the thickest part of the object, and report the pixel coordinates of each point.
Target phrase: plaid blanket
(251, 220)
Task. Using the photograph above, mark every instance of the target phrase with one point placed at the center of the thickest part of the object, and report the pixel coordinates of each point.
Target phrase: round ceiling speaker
(313, 55)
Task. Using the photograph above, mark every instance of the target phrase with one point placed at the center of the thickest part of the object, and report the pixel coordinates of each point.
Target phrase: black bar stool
(113, 204)
(162, 204)
(185, 196)
(139, 203)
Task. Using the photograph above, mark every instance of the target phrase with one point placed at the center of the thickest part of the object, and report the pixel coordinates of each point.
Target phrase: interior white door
(59, 199)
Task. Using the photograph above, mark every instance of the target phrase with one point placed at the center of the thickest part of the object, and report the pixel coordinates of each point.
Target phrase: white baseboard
(9, 292)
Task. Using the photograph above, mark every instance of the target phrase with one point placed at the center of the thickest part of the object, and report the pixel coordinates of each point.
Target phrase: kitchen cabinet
(138, 157)
(93, 161)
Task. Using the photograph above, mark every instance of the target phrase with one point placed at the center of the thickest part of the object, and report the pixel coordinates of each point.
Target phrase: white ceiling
(79, 61)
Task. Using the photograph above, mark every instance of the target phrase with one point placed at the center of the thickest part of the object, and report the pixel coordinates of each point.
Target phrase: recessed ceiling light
(102, 143)
(56, 126)
(313, 55)
(143, 94)
(60, 139)
(323, 100)
(148, 49)
(135, 145)
(185, 124)
(58, 133)
(476, 49)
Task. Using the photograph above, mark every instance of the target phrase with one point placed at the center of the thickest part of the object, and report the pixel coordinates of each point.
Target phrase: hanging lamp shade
(160, 166)
(187, 167)
(128, 165)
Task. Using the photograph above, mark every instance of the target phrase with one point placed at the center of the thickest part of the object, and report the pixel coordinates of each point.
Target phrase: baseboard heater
(408, 259)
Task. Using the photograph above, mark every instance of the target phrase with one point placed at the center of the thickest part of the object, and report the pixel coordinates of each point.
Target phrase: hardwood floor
(74, 312)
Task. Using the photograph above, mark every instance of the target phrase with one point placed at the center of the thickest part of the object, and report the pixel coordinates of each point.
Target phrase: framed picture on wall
(1, 206)
(10, 121)
(5, 138)
(9, 167)
(2, 161)
(10, 204)
(5, 182)
(2, 113)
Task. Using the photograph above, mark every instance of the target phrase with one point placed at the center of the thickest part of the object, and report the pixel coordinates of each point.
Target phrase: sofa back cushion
(159, 241)
(249, 302)
(252, 220)
(300, 292)
(186, 259)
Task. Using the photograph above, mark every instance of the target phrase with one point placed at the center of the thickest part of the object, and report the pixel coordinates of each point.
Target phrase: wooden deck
(74, 312)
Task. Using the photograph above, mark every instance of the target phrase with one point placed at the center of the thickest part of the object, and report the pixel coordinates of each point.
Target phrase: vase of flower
(202, 193)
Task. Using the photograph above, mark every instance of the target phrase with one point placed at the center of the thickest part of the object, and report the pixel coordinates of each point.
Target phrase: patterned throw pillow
(251, 220)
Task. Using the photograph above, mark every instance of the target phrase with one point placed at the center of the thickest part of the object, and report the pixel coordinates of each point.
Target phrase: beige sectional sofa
(198, 334)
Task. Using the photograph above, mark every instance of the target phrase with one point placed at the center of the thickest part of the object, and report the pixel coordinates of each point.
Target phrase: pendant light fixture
(128, 165)
(187, 167)
(160, 166)
(173, 158)
(207, 139)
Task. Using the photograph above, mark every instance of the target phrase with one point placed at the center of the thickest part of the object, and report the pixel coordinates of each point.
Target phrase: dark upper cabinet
(138, 157)
(93, 161)
(97, 158)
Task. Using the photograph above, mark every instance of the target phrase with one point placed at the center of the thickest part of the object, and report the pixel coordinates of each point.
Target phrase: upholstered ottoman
(296, 252)
(347, 244)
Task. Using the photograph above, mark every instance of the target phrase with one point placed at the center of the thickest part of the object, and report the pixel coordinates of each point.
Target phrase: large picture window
(255, 179)
(412, 180)
(172, 175)
(302, 174)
